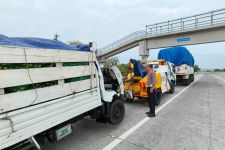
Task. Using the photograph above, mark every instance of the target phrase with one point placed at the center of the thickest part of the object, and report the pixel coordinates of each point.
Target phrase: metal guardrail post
(168, 26)
(212, 18)
(196, 21)
(181, 23)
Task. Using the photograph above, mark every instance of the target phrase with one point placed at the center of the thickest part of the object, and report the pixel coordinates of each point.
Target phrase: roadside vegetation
(219, 70)
(114, 61)
(197, 68)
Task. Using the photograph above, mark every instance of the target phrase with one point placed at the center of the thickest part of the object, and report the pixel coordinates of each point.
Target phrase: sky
(105, 21)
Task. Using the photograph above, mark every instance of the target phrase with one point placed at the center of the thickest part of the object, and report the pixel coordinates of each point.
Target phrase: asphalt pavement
(193, 118)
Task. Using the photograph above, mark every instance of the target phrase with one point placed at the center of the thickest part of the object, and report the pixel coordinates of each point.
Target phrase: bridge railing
(192, 22)
(177, 25)
(128, 38)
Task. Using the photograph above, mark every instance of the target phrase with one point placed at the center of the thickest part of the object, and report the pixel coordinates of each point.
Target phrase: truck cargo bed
(39, 96)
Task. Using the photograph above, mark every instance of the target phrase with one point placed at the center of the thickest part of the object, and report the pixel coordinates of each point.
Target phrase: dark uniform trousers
(151, 100)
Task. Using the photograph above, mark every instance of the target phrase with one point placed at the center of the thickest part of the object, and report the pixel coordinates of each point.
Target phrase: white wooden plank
(26, 98)
(34, 55)
(2, 91)
(61, 81)
(59, 64)
(15, 77)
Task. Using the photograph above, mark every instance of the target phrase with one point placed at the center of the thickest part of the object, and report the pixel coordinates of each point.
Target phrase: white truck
(185, 74)
(183, 62)
(56, 89)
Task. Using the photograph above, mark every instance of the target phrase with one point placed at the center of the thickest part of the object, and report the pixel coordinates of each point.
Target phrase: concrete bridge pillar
(143, 51)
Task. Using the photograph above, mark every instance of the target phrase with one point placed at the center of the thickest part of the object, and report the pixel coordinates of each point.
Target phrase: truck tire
(116, 112)
(172, 86)
(186, 82)
(158, 97)
(192, 77)
(130, 100)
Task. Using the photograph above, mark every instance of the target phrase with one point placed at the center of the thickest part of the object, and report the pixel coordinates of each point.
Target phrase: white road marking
(144, 120)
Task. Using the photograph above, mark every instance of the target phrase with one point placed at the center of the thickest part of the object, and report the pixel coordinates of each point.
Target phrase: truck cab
(112, 94)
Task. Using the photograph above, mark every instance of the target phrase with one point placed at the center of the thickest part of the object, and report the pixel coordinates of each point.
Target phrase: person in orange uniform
(151, 81)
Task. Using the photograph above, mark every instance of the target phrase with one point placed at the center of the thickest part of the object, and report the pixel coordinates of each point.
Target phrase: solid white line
(144, 120)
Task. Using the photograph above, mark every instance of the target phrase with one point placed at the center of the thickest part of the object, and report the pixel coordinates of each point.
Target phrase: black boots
(149, 114)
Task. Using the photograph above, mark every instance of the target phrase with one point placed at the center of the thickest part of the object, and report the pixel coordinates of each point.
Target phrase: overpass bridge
(203, 28)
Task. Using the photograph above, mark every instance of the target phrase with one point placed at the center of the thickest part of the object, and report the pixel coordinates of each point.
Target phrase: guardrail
(192, 22)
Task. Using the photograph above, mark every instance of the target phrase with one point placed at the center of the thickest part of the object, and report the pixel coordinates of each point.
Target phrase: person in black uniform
(151, 80)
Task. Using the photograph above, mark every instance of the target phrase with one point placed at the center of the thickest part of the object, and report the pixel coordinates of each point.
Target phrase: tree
(123, 69)
(224, 70)
(217, 70)
(56, 36)
(196, 68)
(113, 61)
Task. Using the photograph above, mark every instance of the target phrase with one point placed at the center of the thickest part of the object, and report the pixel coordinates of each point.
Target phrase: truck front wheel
(116, 113)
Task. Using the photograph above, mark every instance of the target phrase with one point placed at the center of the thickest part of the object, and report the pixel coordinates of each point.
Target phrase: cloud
(159, 11)
(124, 3)
(40, 5)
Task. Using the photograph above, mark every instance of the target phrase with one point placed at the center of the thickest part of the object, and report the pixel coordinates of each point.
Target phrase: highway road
(193, 118)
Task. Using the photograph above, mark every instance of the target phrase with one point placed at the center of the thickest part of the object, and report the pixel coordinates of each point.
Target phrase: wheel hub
(117, 111)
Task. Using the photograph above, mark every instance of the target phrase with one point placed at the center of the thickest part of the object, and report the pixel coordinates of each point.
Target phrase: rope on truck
(28, 71)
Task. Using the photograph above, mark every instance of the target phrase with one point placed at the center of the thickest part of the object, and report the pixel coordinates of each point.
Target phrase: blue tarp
(177, 55)
(138, 68)
(40, 43)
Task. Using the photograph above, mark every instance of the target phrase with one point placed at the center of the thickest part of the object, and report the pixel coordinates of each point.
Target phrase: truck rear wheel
(158, 96)
(192, 77)
(186, 82)
(172, 87)
(116, 113)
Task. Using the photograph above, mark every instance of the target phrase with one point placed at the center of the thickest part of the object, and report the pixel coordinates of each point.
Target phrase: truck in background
(183, 61)
(135, 84)
(46, 85)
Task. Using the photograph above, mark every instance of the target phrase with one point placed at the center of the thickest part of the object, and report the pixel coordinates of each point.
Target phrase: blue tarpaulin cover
(138, 68)
(177, 55)
(40, 43)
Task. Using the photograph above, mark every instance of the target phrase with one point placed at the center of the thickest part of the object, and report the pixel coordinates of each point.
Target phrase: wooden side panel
(34, 55)
(36, 119)
(15, 77)
(26, 98)
(18, 77)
